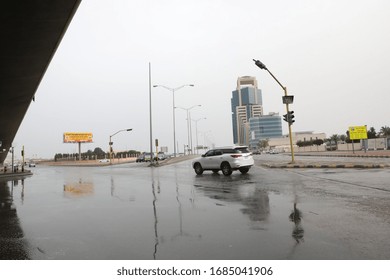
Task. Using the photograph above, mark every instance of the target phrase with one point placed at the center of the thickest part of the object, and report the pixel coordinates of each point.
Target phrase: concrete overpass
(30, 32)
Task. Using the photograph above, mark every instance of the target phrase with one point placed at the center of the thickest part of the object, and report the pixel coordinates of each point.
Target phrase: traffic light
(285, 117)
(289, 117)
(259, 64)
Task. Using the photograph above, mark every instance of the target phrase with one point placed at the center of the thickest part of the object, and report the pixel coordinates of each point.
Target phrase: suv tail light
(235, 156)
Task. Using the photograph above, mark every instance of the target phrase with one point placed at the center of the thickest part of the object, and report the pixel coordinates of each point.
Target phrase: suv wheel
(244, 170)
(198, 168)
(226, 169)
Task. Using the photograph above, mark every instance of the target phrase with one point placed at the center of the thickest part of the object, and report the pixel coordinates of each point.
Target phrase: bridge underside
(30, 33)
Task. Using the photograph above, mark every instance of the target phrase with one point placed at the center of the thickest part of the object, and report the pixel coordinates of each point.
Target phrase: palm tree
(263, 144)
(385, 131)
(371, 133)
(334, 138)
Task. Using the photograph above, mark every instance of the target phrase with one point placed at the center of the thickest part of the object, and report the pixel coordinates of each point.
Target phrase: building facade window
(264, 127)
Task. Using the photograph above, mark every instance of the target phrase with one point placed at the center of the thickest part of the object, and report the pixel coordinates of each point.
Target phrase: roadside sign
(288, 99)
(357, 132)
(77, 137)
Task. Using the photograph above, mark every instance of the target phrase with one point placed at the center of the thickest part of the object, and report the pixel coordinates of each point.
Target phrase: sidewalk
(367, 154)
(325, 165)
(87, 163)
(8, 175)
(336, 159)
(93, 163)
(174, 160)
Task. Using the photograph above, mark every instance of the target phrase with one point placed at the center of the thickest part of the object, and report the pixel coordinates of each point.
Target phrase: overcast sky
(333, 56)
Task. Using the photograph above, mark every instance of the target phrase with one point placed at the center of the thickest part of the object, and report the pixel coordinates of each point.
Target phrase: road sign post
(357, 133)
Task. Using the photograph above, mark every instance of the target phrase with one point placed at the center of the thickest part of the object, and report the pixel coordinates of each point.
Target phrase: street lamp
(189, 130)
(173, 110)
(289, 116)
(110, 143)
(12, 160)
(196, 130)
(206, 139)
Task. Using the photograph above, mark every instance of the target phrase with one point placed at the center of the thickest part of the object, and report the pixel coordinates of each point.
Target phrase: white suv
(225, 159)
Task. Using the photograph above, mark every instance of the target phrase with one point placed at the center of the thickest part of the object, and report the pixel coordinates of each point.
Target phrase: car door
(207, 159)
(216, 159)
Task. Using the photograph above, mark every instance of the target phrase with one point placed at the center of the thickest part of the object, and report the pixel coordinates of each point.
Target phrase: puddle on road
(13, 245)
(166, 214)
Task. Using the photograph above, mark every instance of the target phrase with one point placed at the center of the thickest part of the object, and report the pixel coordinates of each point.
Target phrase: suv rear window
(242, 150)
(230, 151)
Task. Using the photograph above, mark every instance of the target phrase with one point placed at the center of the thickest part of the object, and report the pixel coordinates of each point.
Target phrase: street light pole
(189, 120)
(12, 161)
(262, 66)
(206, 138)
(189, 133)
(173, 111)
(196, 131)
(110, 143)
(150, 115)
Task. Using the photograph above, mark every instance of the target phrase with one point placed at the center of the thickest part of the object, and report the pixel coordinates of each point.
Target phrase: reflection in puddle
(155, 224)
(257, 205)
(79, 188)
(296, 217)
(254, 199)
(12, 243)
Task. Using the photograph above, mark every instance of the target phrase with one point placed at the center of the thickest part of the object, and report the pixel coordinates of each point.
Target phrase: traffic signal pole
(289, 128)
(262, 66)
(23, 158)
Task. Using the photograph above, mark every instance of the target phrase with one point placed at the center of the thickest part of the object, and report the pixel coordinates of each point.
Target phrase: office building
(246, 103)
(264, 127)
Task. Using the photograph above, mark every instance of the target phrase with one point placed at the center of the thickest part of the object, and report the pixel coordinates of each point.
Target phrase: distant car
(16, 166)
(144, 157)
(161, 156)
(226, 159)
(105, 160)
(31, 164)
(140, 158)
(147, 156)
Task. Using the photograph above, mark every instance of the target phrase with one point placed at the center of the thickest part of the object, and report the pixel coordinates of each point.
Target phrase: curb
(349, 156)
(312, 166)
(77, 164)
(174, 160)
(16, 175)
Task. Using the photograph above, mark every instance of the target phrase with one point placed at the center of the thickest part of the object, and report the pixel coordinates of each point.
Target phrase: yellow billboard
(77, 137)
(357, 132)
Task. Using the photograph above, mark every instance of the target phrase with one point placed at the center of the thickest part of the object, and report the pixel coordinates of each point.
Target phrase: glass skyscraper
(264, 127)
(250, 125)
(246, 103)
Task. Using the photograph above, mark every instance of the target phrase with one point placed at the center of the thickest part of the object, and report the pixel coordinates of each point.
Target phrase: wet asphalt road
(132, 211)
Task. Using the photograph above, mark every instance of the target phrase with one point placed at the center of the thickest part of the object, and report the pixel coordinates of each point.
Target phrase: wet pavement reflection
(132, 211)
(296, 217)
(13, 245)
